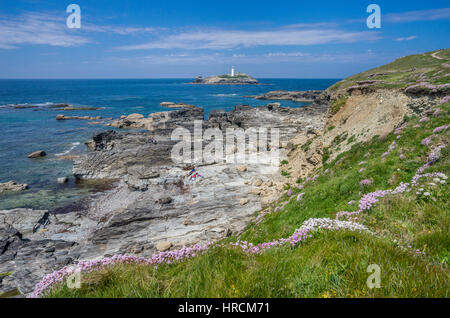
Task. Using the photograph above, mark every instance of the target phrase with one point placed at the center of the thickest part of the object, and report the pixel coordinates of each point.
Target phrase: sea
(27, 124)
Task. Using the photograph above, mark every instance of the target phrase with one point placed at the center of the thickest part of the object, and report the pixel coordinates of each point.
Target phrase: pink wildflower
(366, 182)
(439, 129)
(446, 99)
(426, 141)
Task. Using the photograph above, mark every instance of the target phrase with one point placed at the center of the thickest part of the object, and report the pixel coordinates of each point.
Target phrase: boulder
(12, 186)
(255, 191)
(135, 116)
(273, 106)
(188, 221)
(244, 201)
(62, 180)
(163, 246)
(165, 200)
(241, 168)
(37, 154)
(257, 183)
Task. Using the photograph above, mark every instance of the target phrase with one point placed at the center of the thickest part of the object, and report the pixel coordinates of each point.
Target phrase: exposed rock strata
(155, 206)
(296, 96)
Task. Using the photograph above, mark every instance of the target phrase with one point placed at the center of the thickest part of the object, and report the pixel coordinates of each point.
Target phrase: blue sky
(164, 39)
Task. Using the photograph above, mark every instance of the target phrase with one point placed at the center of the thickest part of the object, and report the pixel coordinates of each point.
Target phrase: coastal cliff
(361, 180)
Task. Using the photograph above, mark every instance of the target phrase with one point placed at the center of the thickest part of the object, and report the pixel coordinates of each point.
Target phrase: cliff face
(371, 103)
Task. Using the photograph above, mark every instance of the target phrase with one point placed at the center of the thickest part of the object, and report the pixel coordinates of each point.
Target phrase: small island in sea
(227, 79)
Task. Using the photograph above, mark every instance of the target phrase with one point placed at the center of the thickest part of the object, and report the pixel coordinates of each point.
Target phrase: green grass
(338, 270)
(285, 173)
(331, 263)
(235, 76)
(336, 105)
(400, 73)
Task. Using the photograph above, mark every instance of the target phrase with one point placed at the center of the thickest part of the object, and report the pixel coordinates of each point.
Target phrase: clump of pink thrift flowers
(390, 149)
(439, 129)
(366, 203)
(366, 182)
(426, 141)
(446, 99)
(168, 257)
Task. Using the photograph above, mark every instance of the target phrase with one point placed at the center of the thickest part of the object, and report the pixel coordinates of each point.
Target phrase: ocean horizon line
(167, 78)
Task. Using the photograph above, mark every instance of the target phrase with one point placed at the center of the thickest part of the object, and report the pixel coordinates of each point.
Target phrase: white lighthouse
(232, 71)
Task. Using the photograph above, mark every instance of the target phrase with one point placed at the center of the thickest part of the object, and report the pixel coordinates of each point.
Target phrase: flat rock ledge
(296, 96)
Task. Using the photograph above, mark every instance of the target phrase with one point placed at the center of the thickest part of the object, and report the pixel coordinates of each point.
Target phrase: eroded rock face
(24, 220)
(24, 262)
(157, 201)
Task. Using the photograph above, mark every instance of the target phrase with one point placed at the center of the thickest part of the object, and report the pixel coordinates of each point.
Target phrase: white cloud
(409, 38)
(241, 59)
(288, 54)
(229, 39)
(121, 30)
(422, 15)
(34, 28)
(312, 25)
(48, 29)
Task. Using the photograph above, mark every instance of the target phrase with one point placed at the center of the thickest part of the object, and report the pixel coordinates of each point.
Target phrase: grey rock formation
(155, 201)
(23, 262)
(62, 180)
(37, 154)
(296, 96)
(24, 220)
(12, 186)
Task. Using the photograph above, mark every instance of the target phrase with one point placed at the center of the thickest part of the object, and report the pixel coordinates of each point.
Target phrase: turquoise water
(25, 130)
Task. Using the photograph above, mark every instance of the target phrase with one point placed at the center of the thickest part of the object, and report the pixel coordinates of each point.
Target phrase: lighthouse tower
(232, 71)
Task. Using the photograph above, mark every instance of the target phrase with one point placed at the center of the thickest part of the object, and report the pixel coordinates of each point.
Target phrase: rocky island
(227, 79)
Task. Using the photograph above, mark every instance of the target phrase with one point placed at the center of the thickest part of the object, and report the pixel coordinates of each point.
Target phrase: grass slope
(331, 263)
(405, 71)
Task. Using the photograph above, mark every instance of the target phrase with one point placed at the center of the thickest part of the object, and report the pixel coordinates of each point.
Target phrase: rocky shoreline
(295, 96)
(154, 205)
